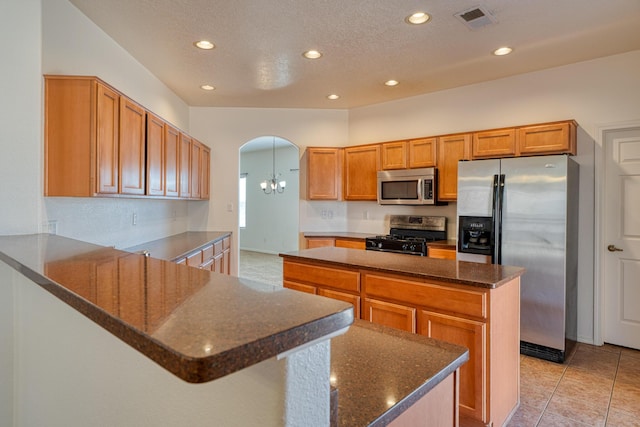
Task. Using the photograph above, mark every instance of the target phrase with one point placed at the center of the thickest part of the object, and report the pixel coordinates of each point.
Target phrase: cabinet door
(441, 253)
(205, 173)
(473, 374)
(494, 144)
(451, 149)
(155, 156)
(171, 160)
(394, 155)
(108, 111)
(342, 296)
(196, 165)
(299, 287)
(422, 152)
(324, 173)
(185, 166)
(348, 243)
(389, 314)
(556, 138)
(132, 147)
(361, 166)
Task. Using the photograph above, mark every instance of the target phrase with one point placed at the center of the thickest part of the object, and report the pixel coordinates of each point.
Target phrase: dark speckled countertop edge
(191, 369)
(507, 273)
(436, 356)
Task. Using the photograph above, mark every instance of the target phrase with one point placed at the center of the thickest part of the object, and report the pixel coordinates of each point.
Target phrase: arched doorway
(268, 218)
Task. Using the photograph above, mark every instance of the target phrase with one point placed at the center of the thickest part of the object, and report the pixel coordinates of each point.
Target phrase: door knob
(612, 248)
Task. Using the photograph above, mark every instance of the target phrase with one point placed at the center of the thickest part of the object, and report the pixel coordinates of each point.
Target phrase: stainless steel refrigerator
(524, 212)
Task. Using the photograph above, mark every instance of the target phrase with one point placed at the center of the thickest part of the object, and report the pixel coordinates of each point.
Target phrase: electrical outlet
(134, 220)
(51, 227)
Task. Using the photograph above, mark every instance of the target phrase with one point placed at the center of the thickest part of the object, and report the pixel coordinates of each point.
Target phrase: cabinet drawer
(226, 243)
(442, 253)
(322, 276)
(467, 302)
(194, 259)
(207, 253)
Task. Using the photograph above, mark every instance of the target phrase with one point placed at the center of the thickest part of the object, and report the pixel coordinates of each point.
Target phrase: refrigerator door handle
(494, 216)
(498, 221)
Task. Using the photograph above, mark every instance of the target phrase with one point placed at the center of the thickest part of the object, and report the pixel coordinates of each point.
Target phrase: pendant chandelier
(272, 185)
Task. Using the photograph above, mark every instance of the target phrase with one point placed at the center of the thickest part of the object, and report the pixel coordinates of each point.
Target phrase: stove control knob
(412, 248)
(380, 245)
(405, 247)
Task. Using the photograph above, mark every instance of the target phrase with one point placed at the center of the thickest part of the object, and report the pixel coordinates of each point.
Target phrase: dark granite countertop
(196, 324)
(338, 234)
(372, 364)
(453, 271)
(178, 246)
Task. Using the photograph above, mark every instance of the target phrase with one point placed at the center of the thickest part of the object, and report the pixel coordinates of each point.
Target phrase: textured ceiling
(258, 59)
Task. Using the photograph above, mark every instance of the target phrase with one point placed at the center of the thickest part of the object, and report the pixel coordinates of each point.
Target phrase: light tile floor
(266, 268)
(596, 386)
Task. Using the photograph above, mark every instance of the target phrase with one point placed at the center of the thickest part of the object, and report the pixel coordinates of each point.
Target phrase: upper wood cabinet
(156, 181)
(184, 166)
(423, 152)
(361, 166)
(98, 142)
(451, 149)
(196, 166)
(205, 173)
(324, 173)
(494, 144)
(132, 148)
(171, 162)
(394, 155)
(549, 138)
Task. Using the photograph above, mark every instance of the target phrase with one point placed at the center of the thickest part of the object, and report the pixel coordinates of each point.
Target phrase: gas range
(409, 234)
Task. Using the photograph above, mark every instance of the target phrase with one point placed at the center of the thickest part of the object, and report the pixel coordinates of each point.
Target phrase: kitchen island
(469, 304)
(99, 336)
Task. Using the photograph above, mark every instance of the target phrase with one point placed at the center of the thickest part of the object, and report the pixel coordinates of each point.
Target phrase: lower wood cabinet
(390, 314)
(213, 256)
(486, 321)
(473, 374)
(339, 242)
(441, 253)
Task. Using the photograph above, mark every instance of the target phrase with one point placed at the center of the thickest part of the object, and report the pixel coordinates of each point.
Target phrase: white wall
(227, 129)
(20, 112)
(271, 219)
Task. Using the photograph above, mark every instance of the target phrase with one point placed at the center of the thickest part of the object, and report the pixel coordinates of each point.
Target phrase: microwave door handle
(419, 190)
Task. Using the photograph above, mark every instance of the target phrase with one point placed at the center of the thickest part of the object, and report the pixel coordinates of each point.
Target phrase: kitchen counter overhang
(196, 324)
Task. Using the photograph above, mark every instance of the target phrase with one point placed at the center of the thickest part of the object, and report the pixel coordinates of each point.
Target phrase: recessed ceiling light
(417, 18)
(204, 44)
(391, 82)
(207, 87)
(312, 54)
(333, 96)
(501, 51)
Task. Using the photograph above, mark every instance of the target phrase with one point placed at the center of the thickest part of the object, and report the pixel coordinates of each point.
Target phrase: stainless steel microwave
(407, 187)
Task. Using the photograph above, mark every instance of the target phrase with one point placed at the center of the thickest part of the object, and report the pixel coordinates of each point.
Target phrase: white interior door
(622, 237)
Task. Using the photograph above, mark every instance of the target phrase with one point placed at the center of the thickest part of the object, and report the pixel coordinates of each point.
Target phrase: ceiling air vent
(476, 17)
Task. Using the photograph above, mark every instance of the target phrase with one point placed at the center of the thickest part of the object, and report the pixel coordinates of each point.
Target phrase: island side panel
(74, 373)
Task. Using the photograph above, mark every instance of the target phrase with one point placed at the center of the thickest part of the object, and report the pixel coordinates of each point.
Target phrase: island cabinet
(337, 283)
(98, 142)
(451, 149)
(361, 166)
(324, 173)
(486, 320)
